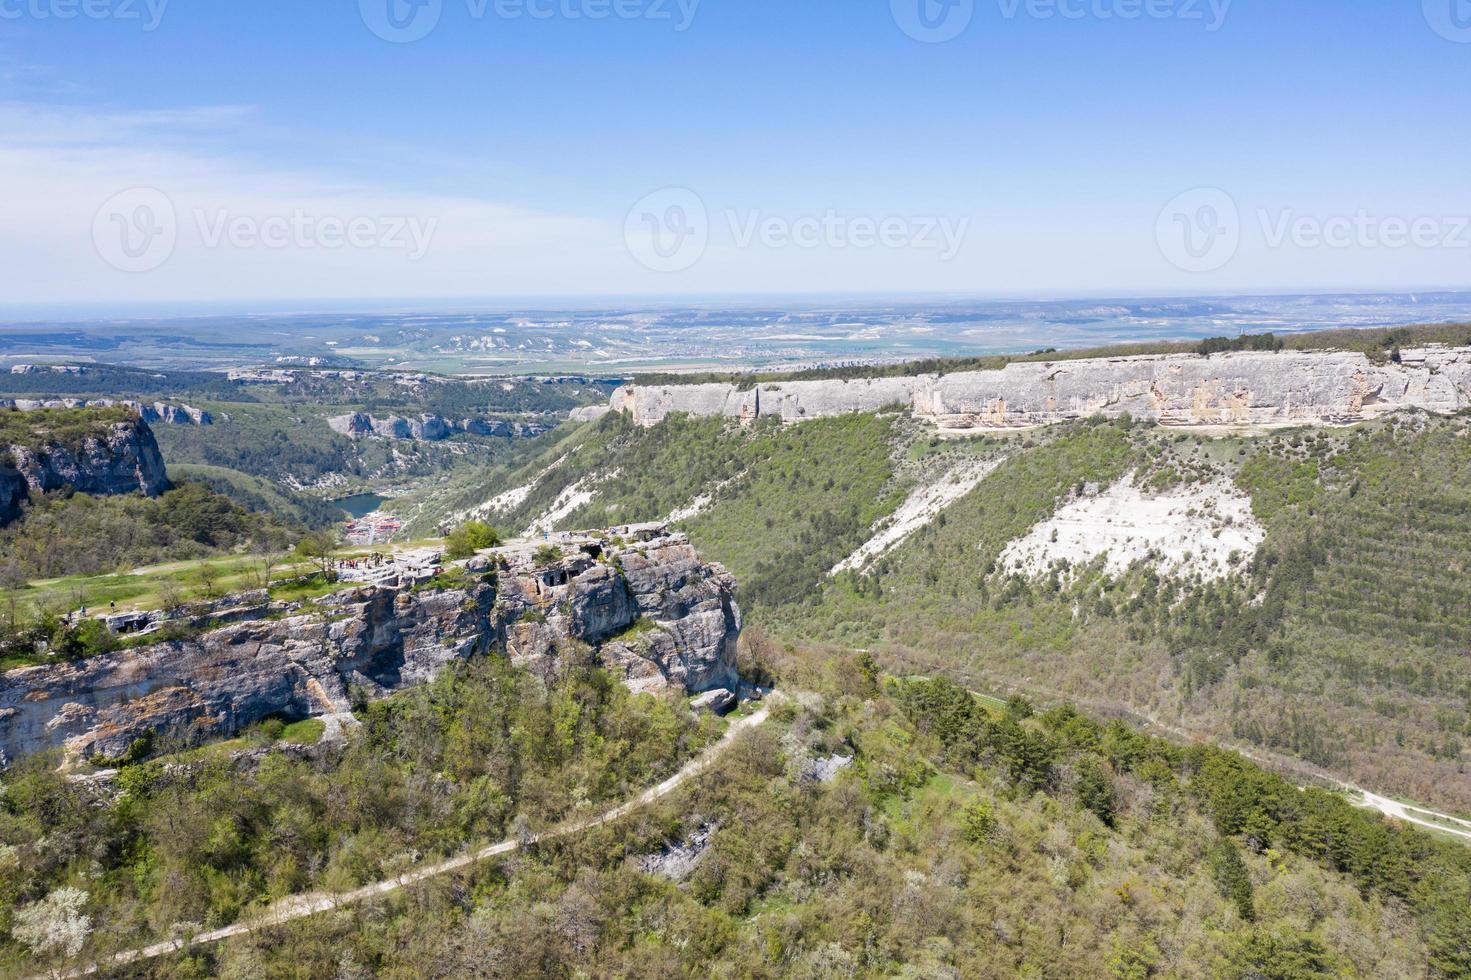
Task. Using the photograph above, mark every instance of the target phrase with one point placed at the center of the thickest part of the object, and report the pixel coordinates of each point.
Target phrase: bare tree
(209, 579)
(12, 580)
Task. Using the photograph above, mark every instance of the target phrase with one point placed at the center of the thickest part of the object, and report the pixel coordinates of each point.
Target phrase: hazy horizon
(49, 312)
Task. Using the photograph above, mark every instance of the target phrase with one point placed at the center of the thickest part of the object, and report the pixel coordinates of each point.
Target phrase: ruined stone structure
(1243, 389)
(640, 599)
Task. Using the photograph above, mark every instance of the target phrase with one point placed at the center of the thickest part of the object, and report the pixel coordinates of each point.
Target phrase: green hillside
(1342, 644)
(872, 827)
(261, 495)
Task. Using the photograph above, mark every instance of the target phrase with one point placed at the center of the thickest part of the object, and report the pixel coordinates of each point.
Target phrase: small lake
(360, 504)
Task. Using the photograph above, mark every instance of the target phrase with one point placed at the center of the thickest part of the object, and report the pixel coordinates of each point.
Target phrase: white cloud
(57, 167)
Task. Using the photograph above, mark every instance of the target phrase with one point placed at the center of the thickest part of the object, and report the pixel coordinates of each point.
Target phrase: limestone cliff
(113, 457)
(164, 413)
(1250, 388)
(429, 427)
(640, 598)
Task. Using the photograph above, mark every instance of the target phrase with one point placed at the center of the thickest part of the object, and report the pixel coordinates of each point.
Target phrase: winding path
(312, 903)
(1411, 813)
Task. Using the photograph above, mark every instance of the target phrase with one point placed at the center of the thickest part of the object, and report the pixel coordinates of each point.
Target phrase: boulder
(717, 702)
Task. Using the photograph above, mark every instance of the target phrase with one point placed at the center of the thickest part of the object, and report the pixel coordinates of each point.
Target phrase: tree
(12, 580)
(258, 573)
(979, 820)
(1232, 877)
(470, 537)
(1095, 790)
(209, 579)
(319, 548)
(55, 928)
(547, 554)
(1281, 954)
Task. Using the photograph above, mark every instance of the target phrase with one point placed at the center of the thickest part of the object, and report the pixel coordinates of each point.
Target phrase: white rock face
(1239, 389)
(922, 506)
(508, 501)
(504, 503)
(1183, 531)
(567, 501)
(690, 510)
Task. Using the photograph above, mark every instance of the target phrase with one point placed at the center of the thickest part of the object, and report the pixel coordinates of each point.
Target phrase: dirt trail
(313, 903)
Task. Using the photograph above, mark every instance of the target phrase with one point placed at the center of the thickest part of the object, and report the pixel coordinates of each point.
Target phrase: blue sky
(1051, 139)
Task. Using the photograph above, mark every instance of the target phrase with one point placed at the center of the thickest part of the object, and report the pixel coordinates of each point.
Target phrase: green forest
(873, 827)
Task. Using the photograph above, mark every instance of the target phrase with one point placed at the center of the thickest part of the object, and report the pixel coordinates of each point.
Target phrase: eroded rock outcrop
(157, 413)
(639, 598)
(115, 458)
(1245, 389)
(429, 427)
(660, 615)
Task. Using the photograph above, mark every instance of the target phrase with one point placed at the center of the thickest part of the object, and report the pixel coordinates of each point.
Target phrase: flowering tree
(55, 928)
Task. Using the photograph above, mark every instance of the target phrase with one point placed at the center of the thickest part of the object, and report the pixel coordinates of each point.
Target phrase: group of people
(375, 560)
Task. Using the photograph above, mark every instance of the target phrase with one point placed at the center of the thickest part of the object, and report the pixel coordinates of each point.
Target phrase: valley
(926, 490)
(284, 440)
(778, 629)
(1293, 588)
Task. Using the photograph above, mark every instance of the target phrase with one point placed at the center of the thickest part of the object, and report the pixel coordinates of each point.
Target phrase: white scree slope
(918, 510)
(1207, 529)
